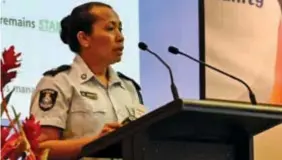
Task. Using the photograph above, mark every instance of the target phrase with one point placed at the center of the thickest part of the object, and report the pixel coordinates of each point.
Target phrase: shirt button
(83, 76)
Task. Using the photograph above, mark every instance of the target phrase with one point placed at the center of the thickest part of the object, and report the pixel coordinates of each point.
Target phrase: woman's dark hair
(80, 19)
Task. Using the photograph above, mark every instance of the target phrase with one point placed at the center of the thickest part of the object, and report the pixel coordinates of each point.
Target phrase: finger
(113, 125)
(107, 129)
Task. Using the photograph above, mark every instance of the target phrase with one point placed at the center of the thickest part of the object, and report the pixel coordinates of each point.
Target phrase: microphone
(252, 96)
(173, 88)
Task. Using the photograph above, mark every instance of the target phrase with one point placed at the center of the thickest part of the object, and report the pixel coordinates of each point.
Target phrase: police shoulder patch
(47, 99)
(54, 72)
(136, 85)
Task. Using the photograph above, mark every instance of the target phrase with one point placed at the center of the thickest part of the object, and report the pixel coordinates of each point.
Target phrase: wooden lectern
(189, 130)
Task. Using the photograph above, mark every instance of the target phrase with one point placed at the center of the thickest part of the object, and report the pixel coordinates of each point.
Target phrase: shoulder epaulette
(54, 72)
(136, 85)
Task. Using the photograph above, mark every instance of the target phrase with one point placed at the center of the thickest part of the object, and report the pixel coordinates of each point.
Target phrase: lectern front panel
(187, 151)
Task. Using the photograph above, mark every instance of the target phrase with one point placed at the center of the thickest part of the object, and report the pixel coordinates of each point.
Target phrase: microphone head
(173, 50)
(142, 46)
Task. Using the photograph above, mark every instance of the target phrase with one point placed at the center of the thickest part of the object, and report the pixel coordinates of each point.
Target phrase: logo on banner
(257, 3)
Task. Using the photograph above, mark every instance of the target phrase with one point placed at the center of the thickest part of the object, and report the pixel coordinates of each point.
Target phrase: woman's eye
(110, 28)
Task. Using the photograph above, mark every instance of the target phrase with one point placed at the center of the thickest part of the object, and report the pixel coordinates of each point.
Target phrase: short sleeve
(49, 103)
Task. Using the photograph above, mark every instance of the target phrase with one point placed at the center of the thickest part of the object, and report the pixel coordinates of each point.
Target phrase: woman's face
(105, 44)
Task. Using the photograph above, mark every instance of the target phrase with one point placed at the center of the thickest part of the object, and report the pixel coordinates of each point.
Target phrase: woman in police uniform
(77, 104)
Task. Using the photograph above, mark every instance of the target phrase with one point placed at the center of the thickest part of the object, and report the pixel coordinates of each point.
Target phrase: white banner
(241, 38)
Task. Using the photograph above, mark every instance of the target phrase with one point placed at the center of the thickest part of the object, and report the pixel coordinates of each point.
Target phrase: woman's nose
(119, 37)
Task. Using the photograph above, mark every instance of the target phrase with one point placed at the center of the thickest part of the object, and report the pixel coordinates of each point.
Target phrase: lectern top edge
(234, 105)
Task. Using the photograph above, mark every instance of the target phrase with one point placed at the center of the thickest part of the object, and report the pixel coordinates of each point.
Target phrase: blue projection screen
(164, 23)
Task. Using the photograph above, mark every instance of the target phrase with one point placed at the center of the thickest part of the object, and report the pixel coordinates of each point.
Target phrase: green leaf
(7, 99)
(17, 117)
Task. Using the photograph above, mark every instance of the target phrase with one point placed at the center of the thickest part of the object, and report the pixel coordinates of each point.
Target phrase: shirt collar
(85, 73)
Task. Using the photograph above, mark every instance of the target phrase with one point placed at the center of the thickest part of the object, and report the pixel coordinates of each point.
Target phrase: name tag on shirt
(139, 111)
(89, 95)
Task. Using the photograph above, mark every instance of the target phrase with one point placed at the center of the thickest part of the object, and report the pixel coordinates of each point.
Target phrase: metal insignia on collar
(47, 99)
(89, 95)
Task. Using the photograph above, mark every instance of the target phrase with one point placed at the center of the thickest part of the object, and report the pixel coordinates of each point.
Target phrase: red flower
(9, 62)
(11, 145)
(4, 134)
(32, 132)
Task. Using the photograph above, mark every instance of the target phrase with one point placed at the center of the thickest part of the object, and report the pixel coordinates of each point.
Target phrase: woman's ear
(83, 39)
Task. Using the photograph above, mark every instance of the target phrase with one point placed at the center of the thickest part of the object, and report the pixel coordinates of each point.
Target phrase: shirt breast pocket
(87, 109)
(86, 117)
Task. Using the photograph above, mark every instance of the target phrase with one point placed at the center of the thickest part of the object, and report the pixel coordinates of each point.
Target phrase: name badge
(136, 111)
(89, 95)
(139, 111)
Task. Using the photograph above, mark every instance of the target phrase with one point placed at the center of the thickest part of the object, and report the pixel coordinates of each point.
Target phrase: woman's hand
(109, 127)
